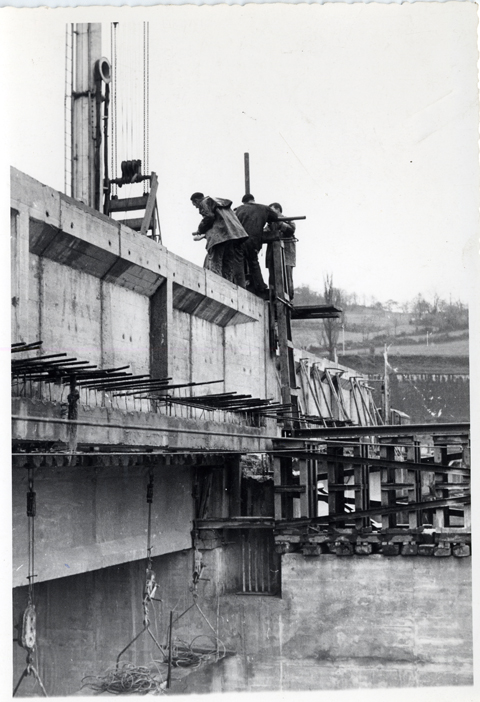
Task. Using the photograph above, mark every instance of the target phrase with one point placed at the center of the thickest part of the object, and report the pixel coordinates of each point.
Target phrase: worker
(284, 231)
(254, 217)
(224, 236)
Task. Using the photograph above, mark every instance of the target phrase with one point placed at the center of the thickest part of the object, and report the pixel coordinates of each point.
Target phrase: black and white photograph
(242, 266)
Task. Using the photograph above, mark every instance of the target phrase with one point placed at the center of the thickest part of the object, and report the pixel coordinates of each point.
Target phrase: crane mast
(91, 71)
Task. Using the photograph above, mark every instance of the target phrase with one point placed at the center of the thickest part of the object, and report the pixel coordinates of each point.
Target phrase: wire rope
(114, 135)
(146, 116)
(28, 633)
(145, 24)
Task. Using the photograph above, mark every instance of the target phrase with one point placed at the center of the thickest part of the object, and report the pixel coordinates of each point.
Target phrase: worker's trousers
(251, 258)
(227, 259)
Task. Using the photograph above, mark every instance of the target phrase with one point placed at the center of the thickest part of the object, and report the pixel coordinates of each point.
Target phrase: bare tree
(331, 327)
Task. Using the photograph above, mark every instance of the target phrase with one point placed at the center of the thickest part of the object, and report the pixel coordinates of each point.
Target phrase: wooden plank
(304, 374)
(134, 223)
(397, 486)
(312, 488)
(304, 511)
(284, 338)
(150, 206)
(240, 523)
(369, 419)
(335, 470)
(441, 518)
(342, 487)
(315, 312)
(244, 581)
(128, 203)
(277, 479)
(335, 396)
(361, 476)
(388, 496)
(290, 488)
(235, 483)
(357, 407)
(413, 456)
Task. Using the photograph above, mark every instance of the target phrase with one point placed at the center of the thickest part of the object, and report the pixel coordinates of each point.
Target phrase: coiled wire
(184, 655)
(129, 679)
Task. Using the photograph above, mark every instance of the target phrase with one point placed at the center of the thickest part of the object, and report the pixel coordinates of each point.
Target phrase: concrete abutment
(317, 636)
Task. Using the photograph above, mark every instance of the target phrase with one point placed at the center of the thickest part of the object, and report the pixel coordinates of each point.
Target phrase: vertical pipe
(246, 158)
(255, 562)
(65, 111)
(169, 673)
(88, 51)
(386, 386)
(243, 563)
(263, 555)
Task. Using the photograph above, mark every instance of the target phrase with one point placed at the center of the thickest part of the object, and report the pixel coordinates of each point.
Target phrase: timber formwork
(386, 490)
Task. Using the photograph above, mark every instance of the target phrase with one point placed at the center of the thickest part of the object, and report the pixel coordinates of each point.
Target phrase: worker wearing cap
(254, 217)
(224, 235)
(282, 231)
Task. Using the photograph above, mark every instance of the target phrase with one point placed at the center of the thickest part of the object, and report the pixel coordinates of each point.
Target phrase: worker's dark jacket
(286, 231)
(219, 223)
(254, 217)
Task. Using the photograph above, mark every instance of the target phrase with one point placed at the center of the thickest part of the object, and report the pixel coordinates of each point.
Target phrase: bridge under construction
(197, 505)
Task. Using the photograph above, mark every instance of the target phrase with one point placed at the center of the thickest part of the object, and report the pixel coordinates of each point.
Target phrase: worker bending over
(224, 235)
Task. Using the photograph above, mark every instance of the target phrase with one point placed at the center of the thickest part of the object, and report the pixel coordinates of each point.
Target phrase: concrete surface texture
(320, 636)
(90, 517)
(317, 636)
(94, 288)
(98, 291)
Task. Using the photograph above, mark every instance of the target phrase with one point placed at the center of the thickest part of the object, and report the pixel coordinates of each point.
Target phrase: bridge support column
(161, 323)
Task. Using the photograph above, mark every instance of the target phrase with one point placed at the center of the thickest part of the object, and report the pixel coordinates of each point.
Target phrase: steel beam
(384, 430)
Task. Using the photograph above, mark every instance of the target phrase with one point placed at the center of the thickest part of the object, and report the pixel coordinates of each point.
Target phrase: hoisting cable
(129, 678)
(147, 155)
(150, 586)
(28, 632)
(113, 39)
(185, 656)
(146, 80)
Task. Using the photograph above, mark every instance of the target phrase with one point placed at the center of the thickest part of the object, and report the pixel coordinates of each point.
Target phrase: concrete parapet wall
(89, 286)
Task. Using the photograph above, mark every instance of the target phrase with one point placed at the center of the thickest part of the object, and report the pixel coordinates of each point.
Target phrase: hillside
(413, 345)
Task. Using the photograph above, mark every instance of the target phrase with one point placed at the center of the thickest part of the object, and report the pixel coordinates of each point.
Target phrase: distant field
(451, 348)
(304, 338)
(308, 333)
(365, 363)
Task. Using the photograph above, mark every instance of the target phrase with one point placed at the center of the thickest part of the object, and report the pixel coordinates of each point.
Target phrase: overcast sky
(362, 117)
